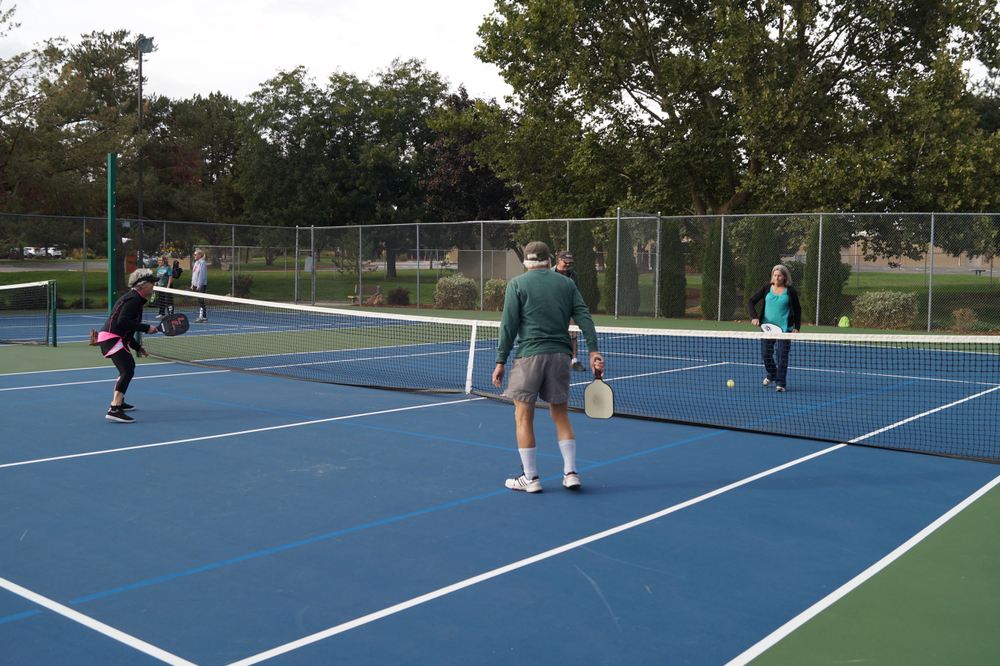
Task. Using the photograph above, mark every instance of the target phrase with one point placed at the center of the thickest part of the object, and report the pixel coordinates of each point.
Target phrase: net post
(656, 278)
(618, 253)
(112, 230)
(819, 269)
(472, 357)
(722, 245)
(930, 277)
(53, 308)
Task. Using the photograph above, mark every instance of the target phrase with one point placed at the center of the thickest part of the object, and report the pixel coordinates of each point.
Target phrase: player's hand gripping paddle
(174, 324)
(598, 398)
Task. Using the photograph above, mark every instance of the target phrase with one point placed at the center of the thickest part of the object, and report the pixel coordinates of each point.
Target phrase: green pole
(53, 309)
(112, 231)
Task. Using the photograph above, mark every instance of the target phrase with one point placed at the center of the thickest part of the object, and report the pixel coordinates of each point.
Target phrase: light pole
(143, 45)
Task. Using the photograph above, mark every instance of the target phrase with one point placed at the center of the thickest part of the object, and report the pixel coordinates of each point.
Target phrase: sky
(232, 46)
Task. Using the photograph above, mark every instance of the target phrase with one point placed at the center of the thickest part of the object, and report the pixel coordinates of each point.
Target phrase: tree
(710, 285)
(833, 275)
(740, 104)
(581, 244)
(673, 283)
(621, 276)
(761, 257)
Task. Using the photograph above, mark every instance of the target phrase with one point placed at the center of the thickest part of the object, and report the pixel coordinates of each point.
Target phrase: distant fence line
(943, 261)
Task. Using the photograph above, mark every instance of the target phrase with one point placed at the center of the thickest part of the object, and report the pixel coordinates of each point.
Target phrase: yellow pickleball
(730, 383)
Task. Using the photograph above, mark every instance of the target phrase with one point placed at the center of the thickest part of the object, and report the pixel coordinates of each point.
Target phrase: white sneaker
(766, 382)
(524, 483)
(576, 365)
(779, 389)
(201, 320)
(571, 481)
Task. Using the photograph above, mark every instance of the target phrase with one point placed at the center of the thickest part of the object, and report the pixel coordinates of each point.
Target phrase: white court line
(112, 379)
(223, 435)
(520, 564)
(784, 630)
(96, 625)
(923, 414)
(430, 596)
(93, 367)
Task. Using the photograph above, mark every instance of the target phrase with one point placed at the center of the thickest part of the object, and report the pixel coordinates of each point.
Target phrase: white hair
(784, 271)
(531, 265)
(140, 275)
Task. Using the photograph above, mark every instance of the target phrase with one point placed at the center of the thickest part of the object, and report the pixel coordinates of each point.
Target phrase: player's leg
(522, 388)
(782, 347)
(567, 444)
(126, 370)
(767, 354)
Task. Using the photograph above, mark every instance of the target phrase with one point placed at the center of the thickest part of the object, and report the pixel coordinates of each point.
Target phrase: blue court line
(399, 517)
(338, 533)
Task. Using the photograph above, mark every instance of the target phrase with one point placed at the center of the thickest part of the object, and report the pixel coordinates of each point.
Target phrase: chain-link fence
(916, 271)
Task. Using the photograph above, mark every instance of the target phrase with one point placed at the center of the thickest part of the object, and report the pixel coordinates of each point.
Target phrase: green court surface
(936, 605)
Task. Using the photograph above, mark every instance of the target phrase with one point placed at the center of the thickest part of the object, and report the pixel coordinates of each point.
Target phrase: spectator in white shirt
(199, 282)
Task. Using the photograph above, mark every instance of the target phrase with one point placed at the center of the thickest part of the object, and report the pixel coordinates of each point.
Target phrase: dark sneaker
(524, 484)
(125, 407)
(118, 415)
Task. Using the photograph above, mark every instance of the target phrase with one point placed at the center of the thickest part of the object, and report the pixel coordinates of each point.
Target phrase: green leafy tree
(622, 271)
(710, 285)
(761, 257)
(832, 277)
(673, 283)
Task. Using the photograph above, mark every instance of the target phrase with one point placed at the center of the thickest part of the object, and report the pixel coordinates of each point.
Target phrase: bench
(978, 271)
(367, 295)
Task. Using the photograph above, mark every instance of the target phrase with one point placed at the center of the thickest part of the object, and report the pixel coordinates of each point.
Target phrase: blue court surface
(249, 518)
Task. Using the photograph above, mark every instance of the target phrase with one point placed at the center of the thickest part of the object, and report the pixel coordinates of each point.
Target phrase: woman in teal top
(779, 306)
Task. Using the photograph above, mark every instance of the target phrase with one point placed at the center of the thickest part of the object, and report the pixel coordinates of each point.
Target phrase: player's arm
(581, 315)
(752, 304)
(509, 322)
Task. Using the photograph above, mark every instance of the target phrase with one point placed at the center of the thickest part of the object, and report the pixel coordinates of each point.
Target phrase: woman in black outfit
(780, 307)
(118, 334)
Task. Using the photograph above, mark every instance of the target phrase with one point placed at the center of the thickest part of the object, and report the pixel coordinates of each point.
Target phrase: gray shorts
(544, 375)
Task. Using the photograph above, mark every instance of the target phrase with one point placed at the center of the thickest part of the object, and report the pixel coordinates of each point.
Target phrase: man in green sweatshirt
(538, 305)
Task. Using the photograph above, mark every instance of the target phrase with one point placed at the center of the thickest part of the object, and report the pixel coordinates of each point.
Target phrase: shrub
(582, 247)
(455, 292)
(798, 271)
(673, 283)
(964, 319)
(493, 293)
(761, 258)
(242, 285)
(834, 276)
(399, 296)
(885, 309)
(623, 270)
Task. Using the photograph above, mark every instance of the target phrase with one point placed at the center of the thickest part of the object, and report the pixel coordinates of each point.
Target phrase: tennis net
(933, 394)
(28, 313)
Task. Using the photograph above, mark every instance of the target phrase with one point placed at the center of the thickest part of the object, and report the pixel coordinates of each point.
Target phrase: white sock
(528, 462)
(568, 449)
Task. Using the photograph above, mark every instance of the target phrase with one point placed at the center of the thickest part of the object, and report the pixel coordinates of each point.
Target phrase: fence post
(819, 269)
(618, 253)
(722, 245)
(418, 265)
(482, 270)
(930, 278)
(361, 267)
(83, 295)
(232, 262)
(656, 278)
(567, 236)
(312, 261)
(295, 289)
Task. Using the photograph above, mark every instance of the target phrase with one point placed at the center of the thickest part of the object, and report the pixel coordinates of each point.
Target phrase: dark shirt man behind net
(564, 266)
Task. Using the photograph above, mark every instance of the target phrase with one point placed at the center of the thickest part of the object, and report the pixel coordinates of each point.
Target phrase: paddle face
(174, 324)
(771, 328)
(598, 399)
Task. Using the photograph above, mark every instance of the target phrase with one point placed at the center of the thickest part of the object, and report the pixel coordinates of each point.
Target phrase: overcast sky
(232, 46)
